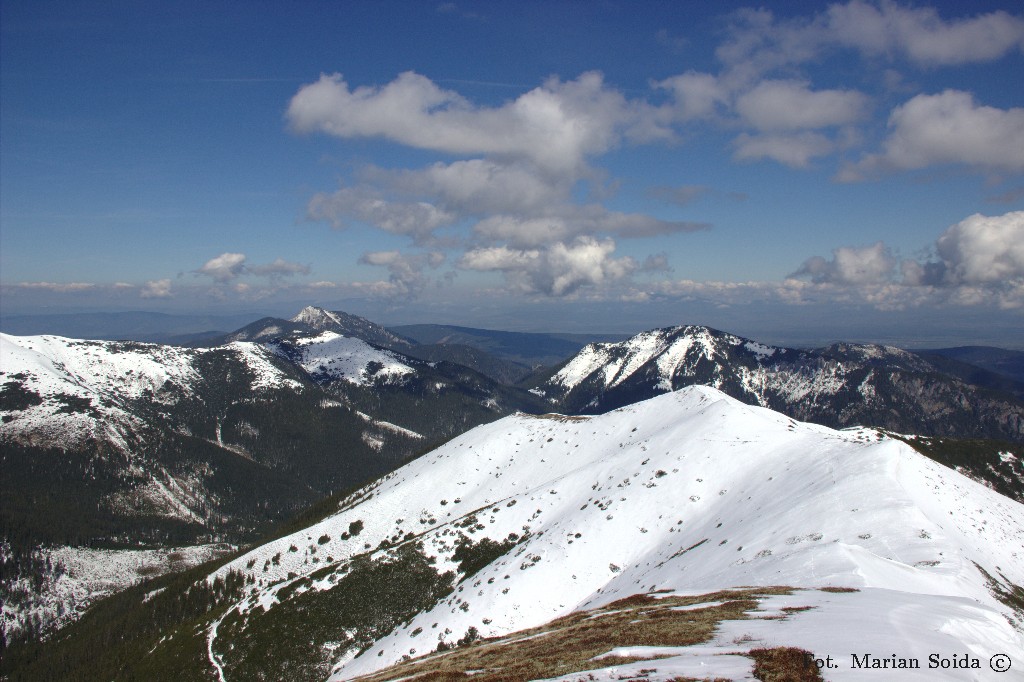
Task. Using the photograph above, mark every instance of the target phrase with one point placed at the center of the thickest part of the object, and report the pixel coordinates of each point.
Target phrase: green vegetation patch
(152, 631)
(473, 557)
(74, 404)
(15, 397)
(301, 637)
(569, 644)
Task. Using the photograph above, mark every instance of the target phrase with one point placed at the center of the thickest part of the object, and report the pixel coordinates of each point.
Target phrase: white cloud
(224, 267)
(57, 287)
(519, 205)
(229, 266)
(921, 34)
(417, 219)
(697, 95)
(477, 186)
(656, 262)
(279, 268)
(557, 270)
(156, 288)
(851, 265)
(406, 272)
(759, 43)
(783, 105)
(984, 250)
(566, 222)
(948, 128)
(980, 261)
(793, 150)
(555, 126)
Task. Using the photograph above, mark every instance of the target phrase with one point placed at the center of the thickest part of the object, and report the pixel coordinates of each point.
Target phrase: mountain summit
(312, 320)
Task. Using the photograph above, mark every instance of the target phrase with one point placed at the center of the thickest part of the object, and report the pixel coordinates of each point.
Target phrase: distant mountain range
(507, 357)
(149, 327)
(841, 385)
(527, 349)
(1006, 363)
(122, 444)
(688, 536)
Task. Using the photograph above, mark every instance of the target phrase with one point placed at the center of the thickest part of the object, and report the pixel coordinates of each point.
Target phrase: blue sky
(855, 171)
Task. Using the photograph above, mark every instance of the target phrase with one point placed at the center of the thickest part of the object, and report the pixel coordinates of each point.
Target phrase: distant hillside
(181, 329)
(525, 348)
(1008, 363)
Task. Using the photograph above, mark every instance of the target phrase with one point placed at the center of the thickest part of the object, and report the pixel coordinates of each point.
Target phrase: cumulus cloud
(58, 287)
(229, 266)
(417, 219)
(560, 269)
(758, 42)
(781, 105)
(793, 150)
(656, 262)
(567, 222)
(696, 95)
(406, 272)
(224, 267)
(984, 250)
(555, 126)
(948, 128)
(156, 288)
(510, 203)
(851, 265)
(979, 260)
(477, 186)
(920, 34)
(279, 268)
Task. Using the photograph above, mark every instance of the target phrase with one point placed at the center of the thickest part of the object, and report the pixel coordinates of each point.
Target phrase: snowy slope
(84, 389)
(330, 356)
(689, 492)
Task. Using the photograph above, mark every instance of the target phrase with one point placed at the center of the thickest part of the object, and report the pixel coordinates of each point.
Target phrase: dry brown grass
(785, 664)
(553, 416)
(569, 644)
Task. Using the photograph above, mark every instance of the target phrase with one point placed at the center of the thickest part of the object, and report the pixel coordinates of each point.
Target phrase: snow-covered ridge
(670, 349)
(839, 385)
(80, 389)
(688, 492)
(330, 355)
